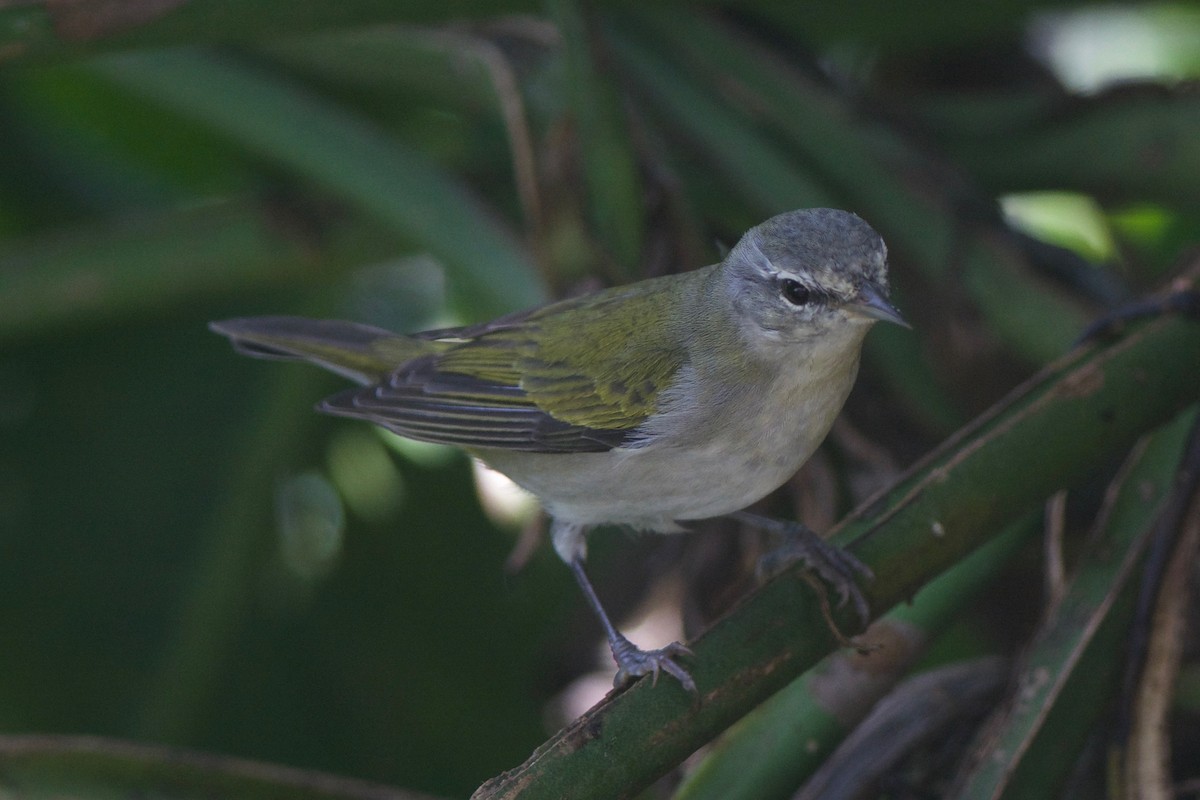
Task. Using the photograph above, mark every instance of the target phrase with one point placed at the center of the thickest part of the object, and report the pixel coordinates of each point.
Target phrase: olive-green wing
(576, 376)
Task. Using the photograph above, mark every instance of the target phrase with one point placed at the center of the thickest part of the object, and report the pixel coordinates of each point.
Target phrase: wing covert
(567, 378)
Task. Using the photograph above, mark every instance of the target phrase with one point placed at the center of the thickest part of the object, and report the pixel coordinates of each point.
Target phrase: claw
(832, 564)
(633, 663)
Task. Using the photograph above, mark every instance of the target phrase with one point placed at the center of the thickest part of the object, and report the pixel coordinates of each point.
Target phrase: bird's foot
(633, 662)
(835, 566)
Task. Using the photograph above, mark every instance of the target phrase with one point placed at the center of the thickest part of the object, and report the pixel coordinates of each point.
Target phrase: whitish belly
(651, 488)
(696, 465)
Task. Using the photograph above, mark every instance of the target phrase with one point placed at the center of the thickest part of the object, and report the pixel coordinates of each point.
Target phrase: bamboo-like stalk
(1049, 433)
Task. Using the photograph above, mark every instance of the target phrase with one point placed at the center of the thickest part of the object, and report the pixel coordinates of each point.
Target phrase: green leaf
(610, 167)
(156, 262)
(1069, 675)
(289, 125)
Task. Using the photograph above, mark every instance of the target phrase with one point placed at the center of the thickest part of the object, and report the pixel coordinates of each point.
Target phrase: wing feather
(569, 377)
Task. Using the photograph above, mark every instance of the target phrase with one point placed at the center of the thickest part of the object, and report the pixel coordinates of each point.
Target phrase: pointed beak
(872, 303)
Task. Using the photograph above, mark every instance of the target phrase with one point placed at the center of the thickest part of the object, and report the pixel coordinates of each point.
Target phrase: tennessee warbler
(672, 399)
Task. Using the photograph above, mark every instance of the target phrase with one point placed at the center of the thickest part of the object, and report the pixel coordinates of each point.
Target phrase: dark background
(190, 555)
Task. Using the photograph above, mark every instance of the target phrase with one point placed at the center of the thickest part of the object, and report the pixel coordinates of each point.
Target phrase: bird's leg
(800, 543)
(633, 662)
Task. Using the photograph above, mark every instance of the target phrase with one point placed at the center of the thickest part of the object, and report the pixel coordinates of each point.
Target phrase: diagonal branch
(1053, 431)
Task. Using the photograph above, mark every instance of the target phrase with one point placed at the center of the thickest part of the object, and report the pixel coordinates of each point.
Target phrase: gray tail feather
(347, 348)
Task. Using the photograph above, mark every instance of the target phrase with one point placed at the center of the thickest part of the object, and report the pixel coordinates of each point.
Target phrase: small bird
(669, 400)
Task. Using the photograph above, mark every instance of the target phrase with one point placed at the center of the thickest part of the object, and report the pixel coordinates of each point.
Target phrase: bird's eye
(795, 292)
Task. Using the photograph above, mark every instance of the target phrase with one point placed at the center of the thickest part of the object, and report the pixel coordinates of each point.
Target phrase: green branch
(93, 766)
(1050, 433)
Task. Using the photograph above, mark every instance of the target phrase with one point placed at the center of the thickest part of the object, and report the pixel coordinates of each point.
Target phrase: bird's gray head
(809, 273)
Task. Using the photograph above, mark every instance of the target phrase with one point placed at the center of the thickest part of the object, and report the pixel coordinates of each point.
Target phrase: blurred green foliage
(178, 561)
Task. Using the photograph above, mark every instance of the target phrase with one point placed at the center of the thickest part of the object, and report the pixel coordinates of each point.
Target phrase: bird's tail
(360, 352)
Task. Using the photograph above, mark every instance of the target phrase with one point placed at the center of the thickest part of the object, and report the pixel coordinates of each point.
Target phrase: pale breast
(691, 464)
